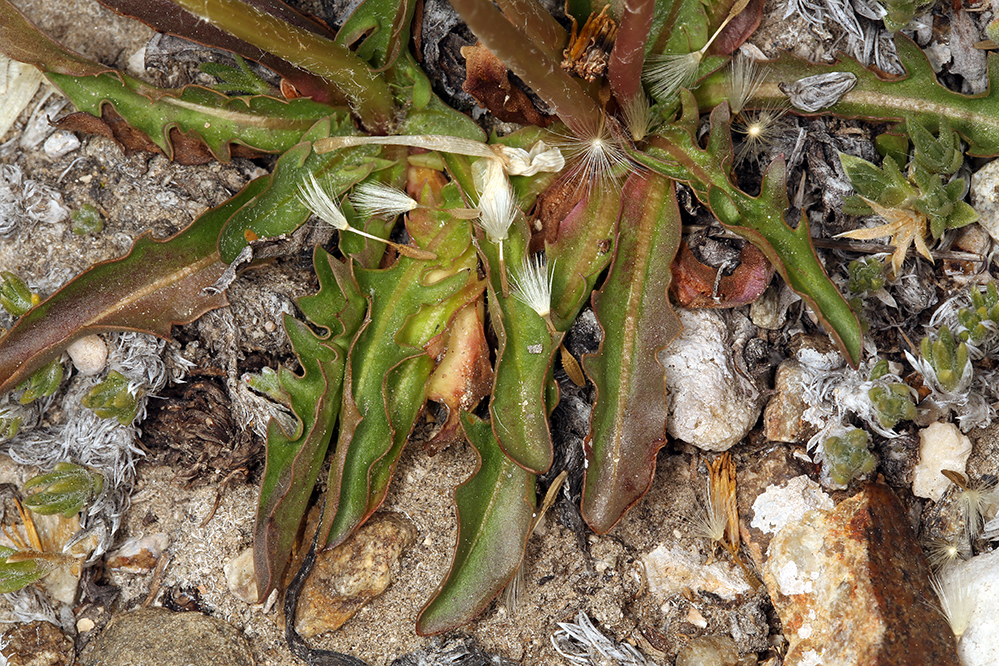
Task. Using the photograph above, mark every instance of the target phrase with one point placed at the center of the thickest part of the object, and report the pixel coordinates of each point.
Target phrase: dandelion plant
(484, 249)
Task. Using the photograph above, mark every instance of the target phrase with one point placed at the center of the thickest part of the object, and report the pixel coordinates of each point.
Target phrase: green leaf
(264, 123)
(20, 573)
(525, 350)
(384, 27)
(495, 509)
(295, 459)
(385, 379)
(638, 322)
(156, 285)
(277, 207)
(583, 249)
(66, 489)
(676, 153)
(916, 97)
(15, 297)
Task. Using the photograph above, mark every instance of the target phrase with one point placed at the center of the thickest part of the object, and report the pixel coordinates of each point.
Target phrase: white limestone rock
(785, 505)
(941, 446)
(710, 404)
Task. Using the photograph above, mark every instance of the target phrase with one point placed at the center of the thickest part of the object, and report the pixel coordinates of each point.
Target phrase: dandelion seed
(375, 199)
(941, 553)
(594, 154)
(760, 130)
(976, 501)
(532, 286)
(747, 77)
(667, 73)
(639, 117)
(496, 206)
(321, 203)
(957, 597)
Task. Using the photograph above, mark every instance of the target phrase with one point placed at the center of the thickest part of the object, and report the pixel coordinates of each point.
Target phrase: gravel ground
(194, 477)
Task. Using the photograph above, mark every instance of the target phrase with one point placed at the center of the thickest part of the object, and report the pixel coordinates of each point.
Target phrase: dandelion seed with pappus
(378, 200)
(496, 208)
(532, 286)
(956, 594)
(321, 203)
(667, 73)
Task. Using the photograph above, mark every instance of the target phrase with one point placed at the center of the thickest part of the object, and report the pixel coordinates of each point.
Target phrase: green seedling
(86, 220)
(65, 490)
(113, 399)
(847, 456)
(980, 322)
(15, 297)
(915, 208)
(866, 275)
(44, 382)
(892, 404)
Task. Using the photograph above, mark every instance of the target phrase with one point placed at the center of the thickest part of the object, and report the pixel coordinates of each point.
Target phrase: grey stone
(158, 637)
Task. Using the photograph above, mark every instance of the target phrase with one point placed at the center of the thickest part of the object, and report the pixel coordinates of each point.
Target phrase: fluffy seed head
(593, 154)
(956, 593)
(321, 203)
(495, 199)
(941, 553)
(375, 199)
(760, 130)
(639, 117)
(532, 284)
(747, 77)
(665, 74)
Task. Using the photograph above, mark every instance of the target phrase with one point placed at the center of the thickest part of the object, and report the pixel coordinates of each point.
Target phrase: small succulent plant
(847, 456)
(947, 361)
(113, 398)
(65, 490)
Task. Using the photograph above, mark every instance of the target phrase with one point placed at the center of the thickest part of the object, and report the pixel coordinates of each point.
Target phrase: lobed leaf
(385, 379)
(263, 123)
(676, 153)
(915, 97)
(294, 460)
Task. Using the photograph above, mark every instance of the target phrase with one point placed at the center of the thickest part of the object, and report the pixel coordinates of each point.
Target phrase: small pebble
(89, 354)
(240, 577)
(139, 554)
(60, 143)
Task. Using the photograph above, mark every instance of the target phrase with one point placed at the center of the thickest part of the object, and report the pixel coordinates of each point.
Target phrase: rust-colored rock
(37, 643)
(852, 587)
(344, 579)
